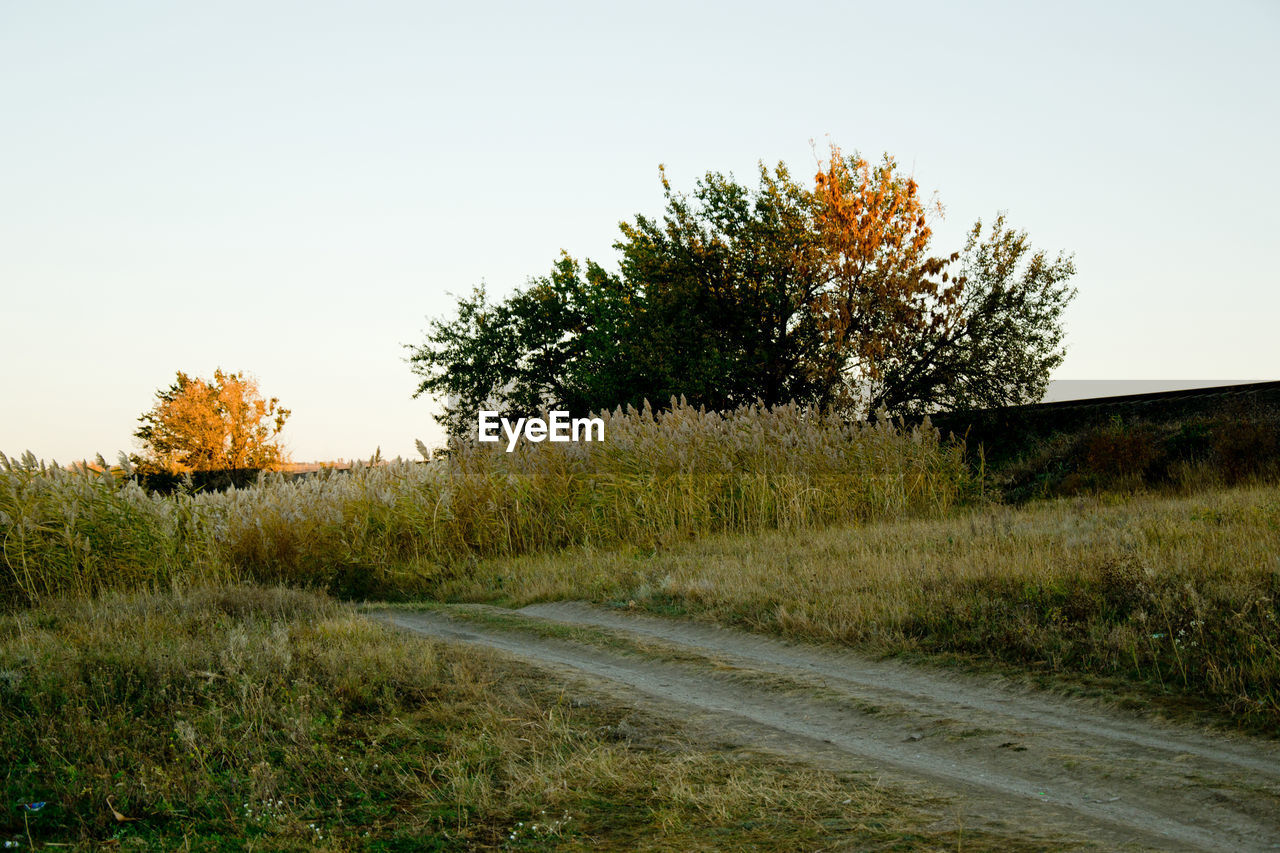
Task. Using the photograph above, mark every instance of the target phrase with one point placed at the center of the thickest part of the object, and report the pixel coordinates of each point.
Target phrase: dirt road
(1008, 759)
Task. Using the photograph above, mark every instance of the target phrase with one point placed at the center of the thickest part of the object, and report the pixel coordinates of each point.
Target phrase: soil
(993, 755)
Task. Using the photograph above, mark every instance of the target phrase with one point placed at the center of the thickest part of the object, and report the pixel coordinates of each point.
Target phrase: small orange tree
(198, 425)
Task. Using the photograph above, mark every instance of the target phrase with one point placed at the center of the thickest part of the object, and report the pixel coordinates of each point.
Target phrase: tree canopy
(829, 295)
(201, 425)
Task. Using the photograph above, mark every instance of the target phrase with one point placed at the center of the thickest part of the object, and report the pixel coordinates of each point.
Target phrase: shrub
(1227, 448)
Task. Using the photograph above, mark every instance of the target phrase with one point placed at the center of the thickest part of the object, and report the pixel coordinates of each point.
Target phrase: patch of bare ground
(1006, 760)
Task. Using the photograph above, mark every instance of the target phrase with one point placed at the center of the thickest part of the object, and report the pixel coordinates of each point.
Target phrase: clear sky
(293, 189)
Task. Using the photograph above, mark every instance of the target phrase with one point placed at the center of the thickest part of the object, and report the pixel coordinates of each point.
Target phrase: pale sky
(293, 189)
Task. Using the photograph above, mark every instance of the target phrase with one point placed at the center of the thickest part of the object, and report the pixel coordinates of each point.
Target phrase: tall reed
(398, 527)
(79, 531)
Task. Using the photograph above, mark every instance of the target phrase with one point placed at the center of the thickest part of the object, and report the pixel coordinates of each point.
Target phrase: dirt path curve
(1038, 764)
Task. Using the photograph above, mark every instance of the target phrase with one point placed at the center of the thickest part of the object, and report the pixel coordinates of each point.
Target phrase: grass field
(174, 673)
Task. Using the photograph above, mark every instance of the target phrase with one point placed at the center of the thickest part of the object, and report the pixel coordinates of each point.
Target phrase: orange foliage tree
(198, 425)
(882, 284)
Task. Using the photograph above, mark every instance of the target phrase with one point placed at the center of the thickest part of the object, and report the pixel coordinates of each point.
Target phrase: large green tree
(568, 339)
(1002, 340)
(830, 295)
(722, 288)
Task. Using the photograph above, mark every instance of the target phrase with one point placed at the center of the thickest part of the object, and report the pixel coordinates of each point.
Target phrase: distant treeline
(167, 482)
(220, 479)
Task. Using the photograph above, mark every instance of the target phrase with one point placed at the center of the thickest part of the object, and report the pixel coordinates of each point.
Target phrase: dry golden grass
(393, 530)
(1178, 593)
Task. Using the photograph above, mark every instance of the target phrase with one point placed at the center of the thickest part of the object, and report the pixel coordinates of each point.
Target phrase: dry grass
(1180, 594)
(221, 718)
(396, 529)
